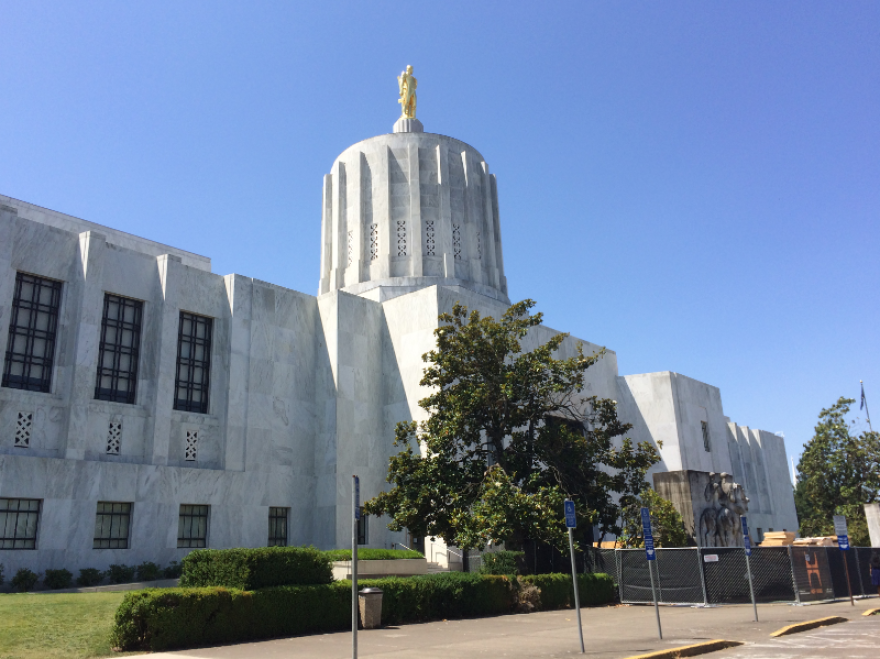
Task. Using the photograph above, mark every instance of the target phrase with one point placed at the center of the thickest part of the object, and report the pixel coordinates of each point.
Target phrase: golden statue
(407, 84)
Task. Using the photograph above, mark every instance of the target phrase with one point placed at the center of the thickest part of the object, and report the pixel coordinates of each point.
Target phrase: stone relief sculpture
(407, 84)
(719, 524)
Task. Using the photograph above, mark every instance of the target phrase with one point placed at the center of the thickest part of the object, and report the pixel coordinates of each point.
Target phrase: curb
(689, 650)
(809, 624)
(871, 612)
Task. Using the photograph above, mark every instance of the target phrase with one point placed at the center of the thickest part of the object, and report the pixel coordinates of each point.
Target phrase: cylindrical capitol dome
(408, 210)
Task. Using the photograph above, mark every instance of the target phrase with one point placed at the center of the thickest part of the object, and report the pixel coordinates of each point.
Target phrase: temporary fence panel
(812, 574)
(838, 572)
(635, 580)
(726, 578)
(718, 575)
(680, 581)
(863, 558)
(771, 575)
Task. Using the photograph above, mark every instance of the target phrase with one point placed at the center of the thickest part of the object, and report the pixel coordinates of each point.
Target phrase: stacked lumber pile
(606, 544)
(777, 539)
(827, 541)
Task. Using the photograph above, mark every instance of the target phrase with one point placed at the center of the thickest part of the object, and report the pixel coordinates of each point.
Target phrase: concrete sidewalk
(609, 632)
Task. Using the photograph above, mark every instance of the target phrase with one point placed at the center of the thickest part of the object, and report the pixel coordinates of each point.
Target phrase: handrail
(404, 546)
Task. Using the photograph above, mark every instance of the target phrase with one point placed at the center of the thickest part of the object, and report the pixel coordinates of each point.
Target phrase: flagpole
(865, 405)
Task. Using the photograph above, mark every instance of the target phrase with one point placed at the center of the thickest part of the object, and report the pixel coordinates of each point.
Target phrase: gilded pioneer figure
(407, 84)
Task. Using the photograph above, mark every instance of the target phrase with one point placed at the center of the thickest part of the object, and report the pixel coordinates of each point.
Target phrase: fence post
(702, 575)
(618, 564)
(794, 584)
(859, 571)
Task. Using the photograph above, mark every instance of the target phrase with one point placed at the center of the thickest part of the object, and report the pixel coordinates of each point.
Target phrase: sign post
(651, 554)
(747, 543)
(843, 543)
(571, 523)
(356, 504)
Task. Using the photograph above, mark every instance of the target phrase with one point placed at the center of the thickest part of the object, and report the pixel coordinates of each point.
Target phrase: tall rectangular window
(362, 528)
(192, 526)
(112, 525)
(278, 526)
(118, 350)
(705, 427)
(19, 519)
(30, 349)
(193, 363)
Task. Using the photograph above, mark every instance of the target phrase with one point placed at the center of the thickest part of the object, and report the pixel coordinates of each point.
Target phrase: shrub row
(501, 562)
(25, 579)
(176, 618)
(252, 569)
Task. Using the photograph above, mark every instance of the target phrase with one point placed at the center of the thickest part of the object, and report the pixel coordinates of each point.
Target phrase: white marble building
(149, 406)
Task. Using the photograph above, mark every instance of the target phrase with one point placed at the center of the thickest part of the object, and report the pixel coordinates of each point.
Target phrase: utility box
(370, 604)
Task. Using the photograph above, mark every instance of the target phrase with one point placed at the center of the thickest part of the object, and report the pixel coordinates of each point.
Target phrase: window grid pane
(18, 523)
(112, 523)
(193, 363)
(192, 527)
(30, 348)
(119, 349)
(278, 526)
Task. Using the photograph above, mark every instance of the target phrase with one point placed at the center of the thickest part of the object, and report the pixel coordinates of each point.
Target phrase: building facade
(149, 406)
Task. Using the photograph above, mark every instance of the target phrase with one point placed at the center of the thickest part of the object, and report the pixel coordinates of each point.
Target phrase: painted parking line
(808, 625)
(689, 650)
(858, 639)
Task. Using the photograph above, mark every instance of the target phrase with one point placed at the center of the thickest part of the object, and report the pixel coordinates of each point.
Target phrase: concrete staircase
(434, 568)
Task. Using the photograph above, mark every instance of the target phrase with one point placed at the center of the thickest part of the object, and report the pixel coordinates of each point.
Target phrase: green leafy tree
(666, 523)
(839, 472)
(509, 436)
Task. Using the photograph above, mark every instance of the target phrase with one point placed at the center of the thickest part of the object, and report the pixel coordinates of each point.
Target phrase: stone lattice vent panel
(23, 428)
(192, 445)
(114, 437)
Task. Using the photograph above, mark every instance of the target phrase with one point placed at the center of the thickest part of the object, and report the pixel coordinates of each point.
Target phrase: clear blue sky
(694, 185)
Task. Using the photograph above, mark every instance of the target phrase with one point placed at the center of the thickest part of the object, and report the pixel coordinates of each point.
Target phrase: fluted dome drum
(407, 210)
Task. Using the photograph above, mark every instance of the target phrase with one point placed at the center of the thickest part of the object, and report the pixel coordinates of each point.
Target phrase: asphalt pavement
(611, 632)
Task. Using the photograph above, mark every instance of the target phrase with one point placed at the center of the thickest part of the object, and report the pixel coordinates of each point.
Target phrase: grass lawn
(61, 626)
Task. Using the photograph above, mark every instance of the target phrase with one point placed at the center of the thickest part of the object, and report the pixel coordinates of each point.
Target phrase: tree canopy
(666, 522)
(838, 473)
(509, 436)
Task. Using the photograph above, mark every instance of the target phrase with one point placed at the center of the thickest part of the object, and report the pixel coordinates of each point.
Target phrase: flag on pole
(864, 402)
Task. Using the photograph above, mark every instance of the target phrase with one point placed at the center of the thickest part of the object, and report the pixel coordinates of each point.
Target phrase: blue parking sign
(570, 519)
(649, 537)
(357, 497)
(841, 531)
(747, 541)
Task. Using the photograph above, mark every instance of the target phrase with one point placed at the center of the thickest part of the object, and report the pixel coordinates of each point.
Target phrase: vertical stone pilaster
(85, 298)
(444, 229)
(164, 329)
(472, 203)
(326, 234)
(8, 217)
(239, 291)
(337, 231)
(491, 266)
(382, 216)
(355, 223)
(496, 222)
(416, 230)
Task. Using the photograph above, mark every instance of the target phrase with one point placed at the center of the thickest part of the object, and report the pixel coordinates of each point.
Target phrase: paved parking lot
(610, 633)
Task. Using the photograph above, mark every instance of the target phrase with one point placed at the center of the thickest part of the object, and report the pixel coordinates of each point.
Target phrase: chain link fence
(718, 575)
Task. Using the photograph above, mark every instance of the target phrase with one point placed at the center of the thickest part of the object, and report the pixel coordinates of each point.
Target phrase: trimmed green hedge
(252, 569)
(372, 554)
(163, 619)
(501, 562)
(556, 591)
